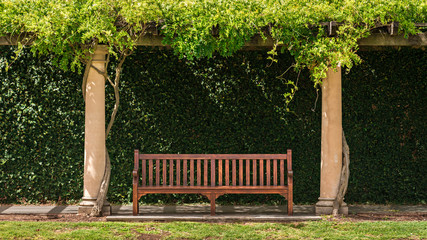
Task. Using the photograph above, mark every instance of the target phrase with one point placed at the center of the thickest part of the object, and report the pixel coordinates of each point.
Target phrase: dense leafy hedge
(217, 105)
(384, 103)
(41, 132)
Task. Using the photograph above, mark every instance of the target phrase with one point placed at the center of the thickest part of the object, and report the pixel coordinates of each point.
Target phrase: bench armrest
(135, 178)
(290, 174)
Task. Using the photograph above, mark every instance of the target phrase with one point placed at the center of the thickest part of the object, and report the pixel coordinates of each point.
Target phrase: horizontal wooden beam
(387, 40)
(374, 40)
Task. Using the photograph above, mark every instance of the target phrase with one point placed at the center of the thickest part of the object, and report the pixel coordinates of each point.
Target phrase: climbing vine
(198, 28)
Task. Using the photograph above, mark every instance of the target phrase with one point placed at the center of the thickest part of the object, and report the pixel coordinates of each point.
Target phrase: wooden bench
(212, 175)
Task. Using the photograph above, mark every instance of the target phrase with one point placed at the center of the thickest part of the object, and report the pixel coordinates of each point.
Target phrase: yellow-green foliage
(70, 28)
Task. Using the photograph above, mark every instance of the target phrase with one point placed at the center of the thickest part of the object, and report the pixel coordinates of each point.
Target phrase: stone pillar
(331, 146)
(94, 155)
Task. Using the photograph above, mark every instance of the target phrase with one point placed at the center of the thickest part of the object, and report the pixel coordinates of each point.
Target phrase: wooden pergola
(331, 133)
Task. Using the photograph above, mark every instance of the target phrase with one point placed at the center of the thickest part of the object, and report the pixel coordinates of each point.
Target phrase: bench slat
(267, 166)
(184, 172)
(178, 172)
(191, 172)
(234, 172)
(158, 172)
(254, 172)
(150, 172)
(241, 172)
(248, 172)
(144, 172)
(212, 172)
(199, 172)
(227, 172)
(212, 156)
(205, 172)
(275, 172)
(171, 172)
(282, 172)
(217, 189)
(261, 172)
(164, 172)
(219, 172)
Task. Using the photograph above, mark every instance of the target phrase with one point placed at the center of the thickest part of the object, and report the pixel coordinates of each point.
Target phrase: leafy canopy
(71, 28)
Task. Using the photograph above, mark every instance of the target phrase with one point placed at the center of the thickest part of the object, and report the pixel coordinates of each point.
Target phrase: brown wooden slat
(282, 172)
(227, 172)
(212, 156)
(150, 172)
(267, 166)
(164, 172)
(254, 172)
(261, 172)
(231, 189)
(248, 172)
(220, 172)
(212, 172)
(241, 172)
(178, 172)
(135, 183)
(171, 172)
(275, 172)
(184, 172)
(199, 172)
(233, 171)
(205, 172)
(144, 172)
(192, 172)
(290, 182)
(158, 172)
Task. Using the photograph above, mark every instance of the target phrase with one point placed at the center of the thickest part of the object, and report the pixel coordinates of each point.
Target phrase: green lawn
(189, 230)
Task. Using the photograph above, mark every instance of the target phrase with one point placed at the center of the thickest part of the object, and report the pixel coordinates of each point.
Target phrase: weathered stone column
(94, 156)
(331, 146)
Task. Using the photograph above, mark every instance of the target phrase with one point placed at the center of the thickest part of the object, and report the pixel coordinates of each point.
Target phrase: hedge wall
(218, 105)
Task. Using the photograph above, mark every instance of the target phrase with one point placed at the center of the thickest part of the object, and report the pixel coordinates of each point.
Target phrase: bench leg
(135, 209)
(213, 207)
(290, 204)
(213, 198)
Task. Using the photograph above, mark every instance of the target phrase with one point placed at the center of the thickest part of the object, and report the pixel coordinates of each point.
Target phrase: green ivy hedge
(217, 105)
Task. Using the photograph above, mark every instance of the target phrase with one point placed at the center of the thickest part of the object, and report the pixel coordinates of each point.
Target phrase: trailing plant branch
(103, 189)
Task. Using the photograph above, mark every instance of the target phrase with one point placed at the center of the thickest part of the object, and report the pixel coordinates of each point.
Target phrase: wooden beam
(386, 40)
(257, 42)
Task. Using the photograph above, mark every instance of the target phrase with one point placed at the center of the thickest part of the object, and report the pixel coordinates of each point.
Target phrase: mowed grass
(190, 230)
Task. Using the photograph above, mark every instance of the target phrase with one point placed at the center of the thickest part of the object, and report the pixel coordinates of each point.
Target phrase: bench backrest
(213, 169)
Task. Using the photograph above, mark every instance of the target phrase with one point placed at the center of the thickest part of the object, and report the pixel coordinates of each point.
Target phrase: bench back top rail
(212, 156)
(210, 170)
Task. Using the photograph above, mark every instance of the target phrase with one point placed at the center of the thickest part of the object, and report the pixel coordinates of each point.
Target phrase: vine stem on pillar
(345, 174)
(103, 189)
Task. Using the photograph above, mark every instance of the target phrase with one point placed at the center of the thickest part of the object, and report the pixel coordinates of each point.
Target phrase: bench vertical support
(290, 182)
(135, 209)
(212, 198)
